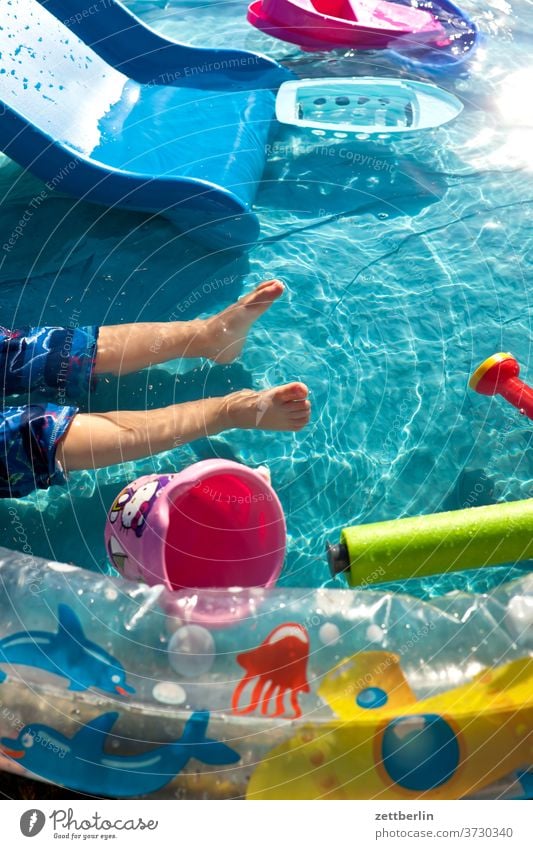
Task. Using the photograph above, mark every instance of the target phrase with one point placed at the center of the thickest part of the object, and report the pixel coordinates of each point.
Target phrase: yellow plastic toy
(390, 745)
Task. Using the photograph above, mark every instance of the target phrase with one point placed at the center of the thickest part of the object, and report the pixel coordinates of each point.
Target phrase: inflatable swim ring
(96, 676)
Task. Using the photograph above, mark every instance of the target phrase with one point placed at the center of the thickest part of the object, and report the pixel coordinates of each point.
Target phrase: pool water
(406, 264)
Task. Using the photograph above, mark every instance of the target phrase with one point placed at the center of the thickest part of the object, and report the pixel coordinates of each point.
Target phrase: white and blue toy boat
(367, 107)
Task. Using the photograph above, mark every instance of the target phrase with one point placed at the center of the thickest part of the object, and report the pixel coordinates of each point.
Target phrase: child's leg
(99, 440)
(125, 348)
(59, 362)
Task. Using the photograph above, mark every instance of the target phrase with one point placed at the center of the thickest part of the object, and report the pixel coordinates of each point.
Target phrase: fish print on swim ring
(87, 763)
(276, 667)
(68, 653)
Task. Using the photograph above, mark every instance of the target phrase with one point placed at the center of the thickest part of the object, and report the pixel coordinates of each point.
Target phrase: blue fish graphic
(81, 763)
(526, 780)
(67, 653)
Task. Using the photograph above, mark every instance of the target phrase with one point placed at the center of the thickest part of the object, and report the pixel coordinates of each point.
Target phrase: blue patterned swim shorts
(37, 365)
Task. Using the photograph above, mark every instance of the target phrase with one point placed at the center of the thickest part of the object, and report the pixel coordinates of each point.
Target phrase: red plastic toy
(498, 375)
(280, 666)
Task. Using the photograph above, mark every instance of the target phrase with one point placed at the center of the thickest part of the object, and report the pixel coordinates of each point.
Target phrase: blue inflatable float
(162, 127)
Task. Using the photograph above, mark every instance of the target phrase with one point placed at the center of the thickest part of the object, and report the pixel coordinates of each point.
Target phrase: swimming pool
(406, 264)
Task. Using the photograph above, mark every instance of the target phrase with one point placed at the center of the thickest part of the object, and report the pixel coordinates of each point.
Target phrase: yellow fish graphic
(390, 745)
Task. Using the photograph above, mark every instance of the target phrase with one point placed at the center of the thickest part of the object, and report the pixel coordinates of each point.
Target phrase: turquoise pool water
(406, 264)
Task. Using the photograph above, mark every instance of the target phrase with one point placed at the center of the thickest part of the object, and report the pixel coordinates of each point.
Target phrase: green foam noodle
(441, 542)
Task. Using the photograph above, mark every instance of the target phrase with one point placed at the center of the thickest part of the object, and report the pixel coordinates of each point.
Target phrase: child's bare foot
(281, 408)
(226, 332)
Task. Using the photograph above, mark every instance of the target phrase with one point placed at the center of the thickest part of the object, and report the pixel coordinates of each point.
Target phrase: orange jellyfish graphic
(280, 665)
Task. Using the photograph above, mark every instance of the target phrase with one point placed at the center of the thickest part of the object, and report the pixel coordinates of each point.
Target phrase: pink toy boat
(324, 24)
